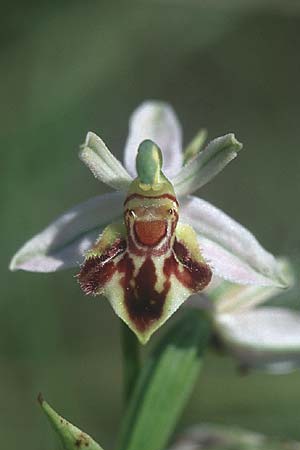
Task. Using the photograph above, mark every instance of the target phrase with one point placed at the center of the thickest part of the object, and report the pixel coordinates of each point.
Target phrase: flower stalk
(130, 348)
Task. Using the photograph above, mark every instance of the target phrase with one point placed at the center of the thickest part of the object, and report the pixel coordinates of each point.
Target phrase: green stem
(131, 360)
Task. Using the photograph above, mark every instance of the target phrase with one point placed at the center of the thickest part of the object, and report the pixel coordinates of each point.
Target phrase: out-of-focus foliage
(69, 67)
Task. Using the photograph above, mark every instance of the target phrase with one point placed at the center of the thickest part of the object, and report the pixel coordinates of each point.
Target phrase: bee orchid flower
(150, 245)
(250, 323)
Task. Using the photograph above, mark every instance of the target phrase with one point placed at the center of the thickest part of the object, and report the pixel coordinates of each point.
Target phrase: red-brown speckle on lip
(96, 271)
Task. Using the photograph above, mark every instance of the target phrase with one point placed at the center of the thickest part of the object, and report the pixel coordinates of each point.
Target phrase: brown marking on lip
(150, 233)
(195, 275)
(96, 271)
(143, 303)
(169, 196)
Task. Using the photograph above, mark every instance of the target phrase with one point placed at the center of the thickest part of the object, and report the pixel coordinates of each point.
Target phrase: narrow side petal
(264, 337)
(209, 162)
(231, 250)
(156, 121)
(195, 146)
(102, 163)
(63, 243)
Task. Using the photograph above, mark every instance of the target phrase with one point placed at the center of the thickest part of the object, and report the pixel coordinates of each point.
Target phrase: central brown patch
(143, 303)
(150, 232)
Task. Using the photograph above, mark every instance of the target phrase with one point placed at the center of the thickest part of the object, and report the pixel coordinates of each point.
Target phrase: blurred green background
(69, 67)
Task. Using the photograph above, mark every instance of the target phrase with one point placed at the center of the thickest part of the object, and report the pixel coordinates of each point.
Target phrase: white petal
(63, 243)
(234, 268)
(157, 121)
(241, 297)
(209, 162)
(229, 297)
(103, 164)
(223, 297)
(217, 437)
(232, 251)
(264, 337)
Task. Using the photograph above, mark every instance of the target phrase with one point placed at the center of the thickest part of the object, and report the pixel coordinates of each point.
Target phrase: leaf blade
(71, 437)
(164, 385)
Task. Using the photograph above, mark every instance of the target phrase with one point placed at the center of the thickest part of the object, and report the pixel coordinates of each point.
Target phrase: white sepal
(63, 243)
(264, 337)
(157, 121)
(232, 251)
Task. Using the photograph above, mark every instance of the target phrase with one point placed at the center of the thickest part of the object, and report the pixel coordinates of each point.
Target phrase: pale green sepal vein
(164, 384)
(71, 437)
(209, 162)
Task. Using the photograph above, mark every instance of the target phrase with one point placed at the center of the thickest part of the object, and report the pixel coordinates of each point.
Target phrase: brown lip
(151, 232)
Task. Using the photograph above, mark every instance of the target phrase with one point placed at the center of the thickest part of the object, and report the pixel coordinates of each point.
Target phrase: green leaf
(71, 437)
(165, 384)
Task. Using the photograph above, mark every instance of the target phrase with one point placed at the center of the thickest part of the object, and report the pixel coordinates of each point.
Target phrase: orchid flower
(260, 337)
(150, 245)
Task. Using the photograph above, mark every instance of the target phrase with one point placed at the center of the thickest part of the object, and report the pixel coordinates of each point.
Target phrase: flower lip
(150, 232)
